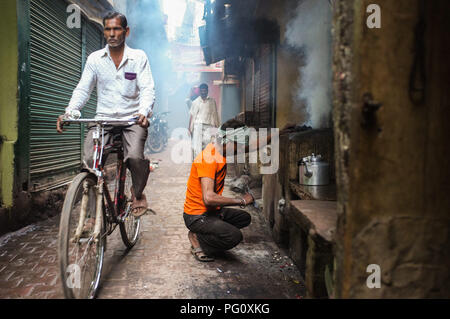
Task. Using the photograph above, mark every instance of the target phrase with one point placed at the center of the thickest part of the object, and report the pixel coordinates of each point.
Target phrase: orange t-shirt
(209, 163)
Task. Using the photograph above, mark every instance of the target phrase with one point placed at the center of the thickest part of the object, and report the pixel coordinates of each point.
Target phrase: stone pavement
(160, 265)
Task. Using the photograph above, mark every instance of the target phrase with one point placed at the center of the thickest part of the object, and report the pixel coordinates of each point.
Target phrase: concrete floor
(160, 265)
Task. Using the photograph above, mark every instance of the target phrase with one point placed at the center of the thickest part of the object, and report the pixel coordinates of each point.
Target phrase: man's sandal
(138, 210)
(199, 254)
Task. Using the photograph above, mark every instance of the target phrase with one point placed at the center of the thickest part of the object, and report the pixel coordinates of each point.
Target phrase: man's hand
(59, 124)
(248, 198)
(142, 121)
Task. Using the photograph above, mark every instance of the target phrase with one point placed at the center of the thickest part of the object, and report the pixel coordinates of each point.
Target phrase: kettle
(313, 171)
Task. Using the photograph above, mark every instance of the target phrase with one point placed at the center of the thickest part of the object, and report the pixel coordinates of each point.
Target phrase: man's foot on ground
(196, 250)
(200, 255)
(139, 206)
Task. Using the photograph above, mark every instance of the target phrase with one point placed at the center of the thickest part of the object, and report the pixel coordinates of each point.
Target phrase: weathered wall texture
(392, 177)
(8, 99)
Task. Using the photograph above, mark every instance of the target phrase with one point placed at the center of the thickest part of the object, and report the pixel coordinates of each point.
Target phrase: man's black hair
(203, 86)
(115, 14)
(234, 124)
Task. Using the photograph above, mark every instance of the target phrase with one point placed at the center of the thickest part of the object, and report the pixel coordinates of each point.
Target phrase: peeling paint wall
(393, 177)
(8, 99)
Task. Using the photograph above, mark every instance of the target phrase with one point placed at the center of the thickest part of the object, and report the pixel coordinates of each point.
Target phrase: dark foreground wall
(392, 166)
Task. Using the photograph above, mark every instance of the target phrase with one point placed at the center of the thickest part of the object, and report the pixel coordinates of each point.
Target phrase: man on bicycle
(125, 89)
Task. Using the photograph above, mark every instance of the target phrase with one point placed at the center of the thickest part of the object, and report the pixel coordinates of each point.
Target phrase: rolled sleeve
(84, 88)
(146, 87)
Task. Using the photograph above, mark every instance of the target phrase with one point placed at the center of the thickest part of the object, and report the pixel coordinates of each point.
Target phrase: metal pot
(313, 171)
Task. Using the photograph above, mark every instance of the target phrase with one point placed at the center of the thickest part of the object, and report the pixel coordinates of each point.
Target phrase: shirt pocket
(129, 85)
(130, 76)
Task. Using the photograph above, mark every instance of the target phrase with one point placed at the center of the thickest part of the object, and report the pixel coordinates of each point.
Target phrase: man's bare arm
(190, 123)
(210, 198)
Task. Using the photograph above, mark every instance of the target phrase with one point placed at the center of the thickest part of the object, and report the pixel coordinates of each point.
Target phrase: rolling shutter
(265, 87)
(56, 57)
(94, 42)
(263, 97)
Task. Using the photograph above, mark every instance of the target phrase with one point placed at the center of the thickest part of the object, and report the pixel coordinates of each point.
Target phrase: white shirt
(121, 92)
(204, 112)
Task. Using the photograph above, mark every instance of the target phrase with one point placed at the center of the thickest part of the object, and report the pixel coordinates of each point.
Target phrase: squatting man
(125, 89)
(213, 226)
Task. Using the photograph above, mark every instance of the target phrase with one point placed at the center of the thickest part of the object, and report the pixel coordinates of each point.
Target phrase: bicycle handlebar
(102, 121)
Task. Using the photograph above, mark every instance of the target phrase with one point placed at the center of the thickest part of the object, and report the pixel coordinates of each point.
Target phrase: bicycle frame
(113, 209)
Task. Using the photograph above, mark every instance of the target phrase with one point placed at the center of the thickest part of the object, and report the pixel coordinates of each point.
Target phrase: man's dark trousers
(133, 141)
(218, 231)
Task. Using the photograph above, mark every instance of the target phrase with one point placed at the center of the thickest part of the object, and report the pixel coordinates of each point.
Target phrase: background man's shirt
(209, 163)
(121, 92)
(204, 112)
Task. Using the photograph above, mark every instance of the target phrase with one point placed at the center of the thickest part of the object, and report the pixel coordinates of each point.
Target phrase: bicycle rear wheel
(80, 257)
(129, 224)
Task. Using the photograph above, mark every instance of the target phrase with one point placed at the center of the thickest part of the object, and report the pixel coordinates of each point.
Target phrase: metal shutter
(264, 101)
(56, 59)
(249, 86)
(256, 95)
(94, 41)
(55, 55)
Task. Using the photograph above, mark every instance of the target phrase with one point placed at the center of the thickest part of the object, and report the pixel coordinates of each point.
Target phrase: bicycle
(91, 212)
(157, 134)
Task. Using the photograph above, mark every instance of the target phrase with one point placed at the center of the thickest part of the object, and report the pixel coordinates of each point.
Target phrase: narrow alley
(340, 106)
(160, 266)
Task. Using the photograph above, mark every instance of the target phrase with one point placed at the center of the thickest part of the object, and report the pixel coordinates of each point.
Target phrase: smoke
(310, 31)
(146, 22)
(150, 31)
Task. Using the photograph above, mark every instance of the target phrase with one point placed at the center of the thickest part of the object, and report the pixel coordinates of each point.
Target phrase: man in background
(193, 95)
(203, 120)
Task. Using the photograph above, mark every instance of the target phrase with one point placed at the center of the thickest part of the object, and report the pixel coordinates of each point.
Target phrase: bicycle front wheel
(129, 224)
(80, 250)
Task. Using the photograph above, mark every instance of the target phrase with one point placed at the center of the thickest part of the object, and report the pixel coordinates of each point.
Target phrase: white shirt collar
(204, 101)
(127, 53)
